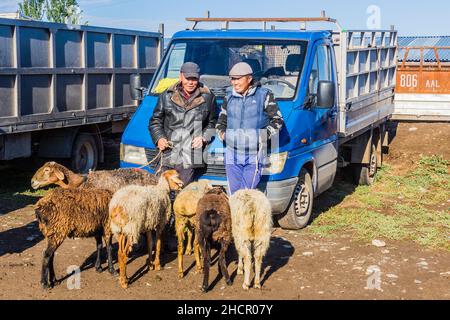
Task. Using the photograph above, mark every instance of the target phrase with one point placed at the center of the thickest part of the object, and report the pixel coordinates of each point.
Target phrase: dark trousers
(186, 174)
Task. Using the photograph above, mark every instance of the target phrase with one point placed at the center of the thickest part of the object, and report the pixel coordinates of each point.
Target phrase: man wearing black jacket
(183, 123)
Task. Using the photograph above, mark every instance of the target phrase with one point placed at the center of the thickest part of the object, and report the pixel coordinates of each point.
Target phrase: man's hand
(198, 142)
(222, 135)
(163, 144)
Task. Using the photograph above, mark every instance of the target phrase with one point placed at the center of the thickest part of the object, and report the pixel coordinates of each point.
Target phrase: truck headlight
(132, 154)
(275, 163)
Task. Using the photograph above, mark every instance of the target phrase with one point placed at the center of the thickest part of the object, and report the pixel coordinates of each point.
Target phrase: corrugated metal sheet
(429, 55)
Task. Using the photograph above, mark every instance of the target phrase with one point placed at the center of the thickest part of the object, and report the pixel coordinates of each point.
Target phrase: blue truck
(335, 89)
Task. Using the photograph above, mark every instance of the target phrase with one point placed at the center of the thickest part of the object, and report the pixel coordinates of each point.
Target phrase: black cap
(190, 70)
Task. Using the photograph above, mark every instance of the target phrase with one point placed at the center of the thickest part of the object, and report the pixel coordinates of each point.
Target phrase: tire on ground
(84, 153)
(300, 210)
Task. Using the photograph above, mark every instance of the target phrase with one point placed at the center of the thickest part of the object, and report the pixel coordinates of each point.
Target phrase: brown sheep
(112, 180)
(63, 213)
(185, 208)
(213, 226)
(136, 210)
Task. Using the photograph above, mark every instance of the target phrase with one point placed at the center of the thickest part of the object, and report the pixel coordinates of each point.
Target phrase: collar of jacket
(251, 91)
(194, 101)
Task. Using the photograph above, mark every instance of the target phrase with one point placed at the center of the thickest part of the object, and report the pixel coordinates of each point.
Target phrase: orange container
(423, 77)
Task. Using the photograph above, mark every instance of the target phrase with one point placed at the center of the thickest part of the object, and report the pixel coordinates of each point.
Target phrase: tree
(63, 11)
(33, 9)
(60, 11)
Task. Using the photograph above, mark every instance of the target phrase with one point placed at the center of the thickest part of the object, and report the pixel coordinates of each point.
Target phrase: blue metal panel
(429, 55)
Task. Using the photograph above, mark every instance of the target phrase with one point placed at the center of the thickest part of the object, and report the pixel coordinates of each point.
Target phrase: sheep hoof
(99, 269)
(158, 267)
(204, 289)
(257, 286)
(181, 275)
(46, 285)
(229, 282)
(113, 272)
(245, 287)
(124, 284)
(199, 271)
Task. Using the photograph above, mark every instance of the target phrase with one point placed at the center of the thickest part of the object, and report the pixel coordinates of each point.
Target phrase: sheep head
(173, 179)
(54, 173)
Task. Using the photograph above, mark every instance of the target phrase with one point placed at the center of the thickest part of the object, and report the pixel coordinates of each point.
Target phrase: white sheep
(251, 216)
(135, 210)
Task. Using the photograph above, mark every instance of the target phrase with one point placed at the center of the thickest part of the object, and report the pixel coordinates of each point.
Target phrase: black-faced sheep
(251, 217)
(135, 210)
(63, 213)
(185, 208)
(112, 180)
(213, 227)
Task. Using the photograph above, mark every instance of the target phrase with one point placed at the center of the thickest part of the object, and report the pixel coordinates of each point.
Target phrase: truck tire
(84, 153)
(299, 212)
(364, 174)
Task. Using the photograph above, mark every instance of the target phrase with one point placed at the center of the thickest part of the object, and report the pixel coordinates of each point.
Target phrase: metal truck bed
(56, 75)
(367, 66)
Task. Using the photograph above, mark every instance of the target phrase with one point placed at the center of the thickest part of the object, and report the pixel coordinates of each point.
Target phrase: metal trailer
(62, 86)
(366, 67)
(423, 90)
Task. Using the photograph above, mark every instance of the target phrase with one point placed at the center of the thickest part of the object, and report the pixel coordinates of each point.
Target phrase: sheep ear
(59, 174)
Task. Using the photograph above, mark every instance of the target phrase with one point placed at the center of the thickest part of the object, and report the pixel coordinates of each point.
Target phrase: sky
(425, 17)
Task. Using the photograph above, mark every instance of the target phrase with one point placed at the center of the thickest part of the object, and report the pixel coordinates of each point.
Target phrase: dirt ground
(298, 265)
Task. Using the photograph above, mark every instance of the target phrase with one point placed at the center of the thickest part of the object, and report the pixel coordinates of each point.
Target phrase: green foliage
(63, 11)
(32, 8)
(411, 206)
(59, 11)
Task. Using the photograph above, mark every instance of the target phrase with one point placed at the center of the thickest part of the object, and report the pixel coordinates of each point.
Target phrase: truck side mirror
(136, 91)
(326, 94)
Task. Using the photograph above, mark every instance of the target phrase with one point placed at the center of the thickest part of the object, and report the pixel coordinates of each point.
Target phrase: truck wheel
(299, 212)
(364, 174)
(84, 153)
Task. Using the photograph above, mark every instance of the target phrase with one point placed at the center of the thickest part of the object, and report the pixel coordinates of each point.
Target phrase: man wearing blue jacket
(249, 117)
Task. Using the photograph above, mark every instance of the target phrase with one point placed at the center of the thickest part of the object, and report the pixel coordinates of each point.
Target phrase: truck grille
(216, 166)
(151, 154)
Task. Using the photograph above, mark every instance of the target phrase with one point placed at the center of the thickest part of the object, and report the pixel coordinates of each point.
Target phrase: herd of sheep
(129, 203)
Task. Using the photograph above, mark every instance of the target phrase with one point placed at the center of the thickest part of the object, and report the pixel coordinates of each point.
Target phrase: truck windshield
(277, 64)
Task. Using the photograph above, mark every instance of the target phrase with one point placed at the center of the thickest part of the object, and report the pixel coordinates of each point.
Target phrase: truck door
(323, 133)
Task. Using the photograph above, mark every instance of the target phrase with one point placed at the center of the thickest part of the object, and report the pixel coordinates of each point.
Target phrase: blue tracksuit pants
(241, 171)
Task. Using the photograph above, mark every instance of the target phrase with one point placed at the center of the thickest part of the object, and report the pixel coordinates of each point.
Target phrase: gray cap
(241, 69)
(190, 70)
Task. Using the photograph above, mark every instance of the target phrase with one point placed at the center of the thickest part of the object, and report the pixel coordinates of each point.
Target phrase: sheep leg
(240, 269)
(222, 262)
(189, 249)
(198, 262)
(260, 250)
(150, 250)
(123, 261)
(245, 251)
(180, 236)
(157, 262)
(206, 264)
(98, 262)
(108, 241)
(48, 271)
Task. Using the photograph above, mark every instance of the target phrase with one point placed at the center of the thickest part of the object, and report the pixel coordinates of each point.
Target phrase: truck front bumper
(278, 192)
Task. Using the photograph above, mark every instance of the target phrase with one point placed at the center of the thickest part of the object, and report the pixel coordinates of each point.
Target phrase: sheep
(213, 226)
(55, 173)
(63, 213)
(134, 210)
(251, 216)
(184, 208)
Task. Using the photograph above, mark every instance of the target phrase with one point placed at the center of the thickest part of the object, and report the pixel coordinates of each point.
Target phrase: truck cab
(301, 68)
